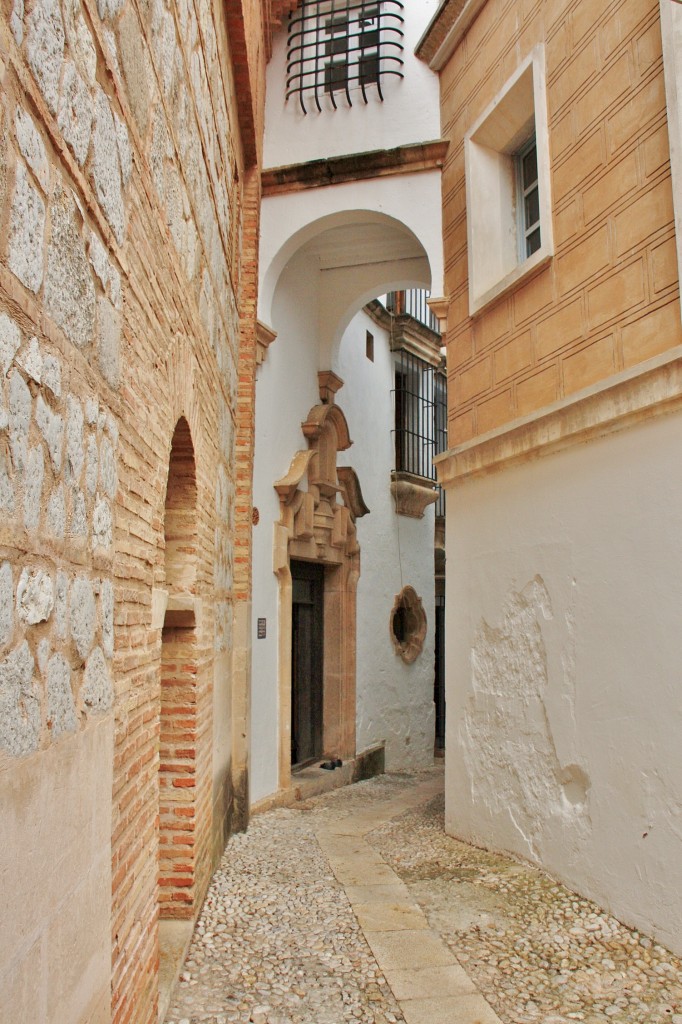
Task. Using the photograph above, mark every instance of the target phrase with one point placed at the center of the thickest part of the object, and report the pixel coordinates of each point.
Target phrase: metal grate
(338, 49)
(413, 303)
(440, 420)
(414, 415)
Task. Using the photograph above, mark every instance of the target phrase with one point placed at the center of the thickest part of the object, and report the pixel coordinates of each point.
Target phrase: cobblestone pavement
(356, 907)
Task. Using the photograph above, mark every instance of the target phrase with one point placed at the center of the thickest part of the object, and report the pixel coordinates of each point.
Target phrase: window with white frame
(528, 200)
(509, 213)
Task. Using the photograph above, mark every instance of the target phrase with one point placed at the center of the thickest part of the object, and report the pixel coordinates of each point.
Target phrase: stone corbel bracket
(412, 495)
(439, 308)
(264, 338)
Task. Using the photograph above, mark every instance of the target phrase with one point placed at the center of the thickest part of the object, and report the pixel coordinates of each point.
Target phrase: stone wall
(122, 168)
(609, 298)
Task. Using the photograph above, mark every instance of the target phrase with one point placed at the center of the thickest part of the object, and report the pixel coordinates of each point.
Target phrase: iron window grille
(341, 48)
(415, 404)
(440, 419)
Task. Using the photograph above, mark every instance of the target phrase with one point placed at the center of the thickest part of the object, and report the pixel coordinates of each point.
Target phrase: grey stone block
(107, 601)
(20, 419)
(45, 47)
(35, 596)
(31, 361)
(98, 691)
(51, 426)
(26, 232)
(83, 615)
(91, 410)
(6, 603)
(69, 288)
(16, 21)
(91, 465)
(107, 467)
(75, 450)
(79, 521)
(80, 40)
(109, 339)
(125, 151)
(20, 719)
(102, 525)
(7, 502)
(135, 67)
(32, 147)
(56, 512)
(75, 113)
(52, 375)
(106, 170)
(10, 340)
(33, 488)
(61, 708)
(61, 604)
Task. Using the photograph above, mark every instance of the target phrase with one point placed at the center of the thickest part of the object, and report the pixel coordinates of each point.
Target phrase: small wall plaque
(262, 629)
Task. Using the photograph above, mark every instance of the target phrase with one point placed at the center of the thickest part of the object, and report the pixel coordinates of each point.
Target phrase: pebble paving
(277, 941)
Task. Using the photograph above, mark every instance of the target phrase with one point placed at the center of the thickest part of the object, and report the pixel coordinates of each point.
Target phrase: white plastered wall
(564, 649)
(410, 111)
(394, 700)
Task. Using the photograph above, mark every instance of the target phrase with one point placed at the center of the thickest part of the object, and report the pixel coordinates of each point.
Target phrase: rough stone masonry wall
(120, 241)
(610, 296)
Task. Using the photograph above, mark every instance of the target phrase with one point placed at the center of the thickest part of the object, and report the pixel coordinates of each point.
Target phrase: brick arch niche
(317, 524)
(178, 719)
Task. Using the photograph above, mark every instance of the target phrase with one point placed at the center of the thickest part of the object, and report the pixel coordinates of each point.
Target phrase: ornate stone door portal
(317, 525)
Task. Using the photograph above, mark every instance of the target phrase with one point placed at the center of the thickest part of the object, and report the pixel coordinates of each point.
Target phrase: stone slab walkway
(356, 907)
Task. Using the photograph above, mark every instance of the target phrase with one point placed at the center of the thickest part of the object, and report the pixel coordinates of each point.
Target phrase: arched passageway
(314, 287)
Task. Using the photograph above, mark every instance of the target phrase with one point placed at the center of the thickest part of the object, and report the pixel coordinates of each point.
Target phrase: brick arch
(185, 652)
(180, 519)
(178, 782)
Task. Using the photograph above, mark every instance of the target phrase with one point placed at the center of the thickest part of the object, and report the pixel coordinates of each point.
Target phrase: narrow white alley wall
(563, 652)
(394, 700)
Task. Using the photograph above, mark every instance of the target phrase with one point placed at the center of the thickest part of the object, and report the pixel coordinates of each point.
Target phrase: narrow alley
(356, 907)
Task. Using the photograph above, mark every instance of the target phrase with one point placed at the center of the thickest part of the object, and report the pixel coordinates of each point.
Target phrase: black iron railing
(413, 303)
(440, 418)
(339, 49)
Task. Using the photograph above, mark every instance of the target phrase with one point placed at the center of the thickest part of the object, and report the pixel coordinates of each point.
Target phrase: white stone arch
(406, 206)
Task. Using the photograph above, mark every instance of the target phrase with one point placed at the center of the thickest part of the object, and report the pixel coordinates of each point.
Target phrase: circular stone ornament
(408, 625)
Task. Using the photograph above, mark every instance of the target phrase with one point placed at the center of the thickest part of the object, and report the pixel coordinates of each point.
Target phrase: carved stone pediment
(320, 520)
(352, 494)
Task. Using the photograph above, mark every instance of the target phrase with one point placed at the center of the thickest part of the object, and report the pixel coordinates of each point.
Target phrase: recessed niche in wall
(408, 625)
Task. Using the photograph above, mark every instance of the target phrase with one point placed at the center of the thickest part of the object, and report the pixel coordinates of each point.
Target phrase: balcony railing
(413, 303)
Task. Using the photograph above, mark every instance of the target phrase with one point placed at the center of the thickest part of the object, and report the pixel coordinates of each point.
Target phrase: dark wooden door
(439, 686)
(307, 660)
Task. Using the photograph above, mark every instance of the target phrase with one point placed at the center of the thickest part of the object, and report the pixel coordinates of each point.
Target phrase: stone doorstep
(314, 781)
